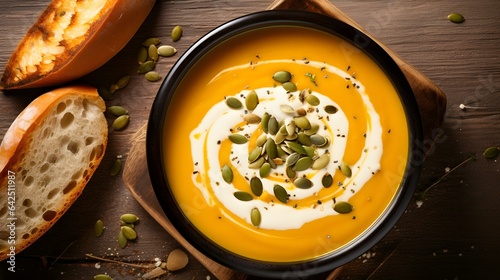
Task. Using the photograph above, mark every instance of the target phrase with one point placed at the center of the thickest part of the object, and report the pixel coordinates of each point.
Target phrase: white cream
(215, 127)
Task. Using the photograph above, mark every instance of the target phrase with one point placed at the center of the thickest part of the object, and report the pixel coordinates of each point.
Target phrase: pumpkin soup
(285, 148)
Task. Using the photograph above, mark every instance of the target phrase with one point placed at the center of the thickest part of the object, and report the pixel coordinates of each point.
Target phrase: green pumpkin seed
(152, 76)
(256, 186)
(272, 163)
(252, 100)
(321, 162)
(142, 55)
(252, 118)
(287, 109)
(271, 149)
(257, 163)
(301, 112)
(491, 152)
(122, 82)
(456, 18)
(151, 41)
(98, 228)
(303, 164)
(121, 122)
(318, 140)
(233, 103)
(281, 153)
(290, 173)
(176, 33)
(296, 147)
(303, 183)
(166, 51)
(129, 218)
(261, 140)
(128, 225)
(129, 233)
(273, 126)
(227, 174)
(286, 149)
(291, 137)
(280, 193)
(254, 154)
(327, 180)
(330, 109)
(304, 139)
(117, 111)
(243, 196)
(265, 170)
(313, 100)
(122, 240)
(146, 67)
(303, 94)
(265, 122)
(346, 170)
(282, 76)
(310, 151)
(289, 86)
(279, 138)
(102, 277)
(255, 217)
(153, 53)
(238, 138)
(302, 122)
(343, 207)
(292, 159)
(313, 130)
(116, 167)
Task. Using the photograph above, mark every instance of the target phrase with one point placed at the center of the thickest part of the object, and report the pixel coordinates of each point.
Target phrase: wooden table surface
(453, 234)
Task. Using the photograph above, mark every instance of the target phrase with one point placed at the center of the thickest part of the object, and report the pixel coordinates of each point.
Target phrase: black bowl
(267, 269)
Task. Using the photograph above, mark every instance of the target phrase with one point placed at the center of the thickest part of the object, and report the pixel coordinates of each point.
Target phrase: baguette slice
(71, 39)
(47, 157)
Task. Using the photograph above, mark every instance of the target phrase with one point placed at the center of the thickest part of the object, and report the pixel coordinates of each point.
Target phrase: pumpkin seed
(313, 130)
(330, 109)
(303, 94)
(280, 137)
(303, 164)
(243, 196)
(296, 147)
(117, 111)
(302, 122)
(252, 100)
(233, 103)
(98, 228)
(280, 193)
(290, 173)
(121, 122)
(142, 55)
(271, 149)
(166, 51)
(122, 240)
(301, 112)
(116, 167)
(129, 218)
(227, 174)
(291, 137)
(128, 225)
(256, 186)
(272, 163)
(273, 126)
(128, 233)
(327, 180)
(310, 151)
(153, 53)
(491, 152)
(254, 154)
(122, 82)
(456, 18)
(321, 162)
(343, 207)
(281, 153)
(255, 217)
(261, 140)
(289, 86)
(102, 277)
(282, 76)
(151, 41)
(146, 67)
(238, 138)
(104, 93)
(252, 118)
(318, 140)
(346, 170)
(265, 122)
(303, 183)
(257, 163)
(292, 159)
(287, 109)
(265, 170)
(290, 127)
(152, 76)
(312, 100)
(176, 33)
(304, 139)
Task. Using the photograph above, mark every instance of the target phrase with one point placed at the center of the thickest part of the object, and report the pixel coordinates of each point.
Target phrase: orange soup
(285, 144)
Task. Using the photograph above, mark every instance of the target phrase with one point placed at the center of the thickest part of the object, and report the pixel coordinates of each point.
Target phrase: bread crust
(19, 138)
(113, 27)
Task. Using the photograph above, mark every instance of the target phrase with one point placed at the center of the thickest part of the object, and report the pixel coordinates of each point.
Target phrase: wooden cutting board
(431, 101)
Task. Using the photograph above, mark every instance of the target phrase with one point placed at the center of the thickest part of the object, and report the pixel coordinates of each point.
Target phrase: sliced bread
(47, 157)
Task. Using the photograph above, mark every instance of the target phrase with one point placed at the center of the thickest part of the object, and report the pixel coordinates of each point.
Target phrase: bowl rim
(248, 22)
